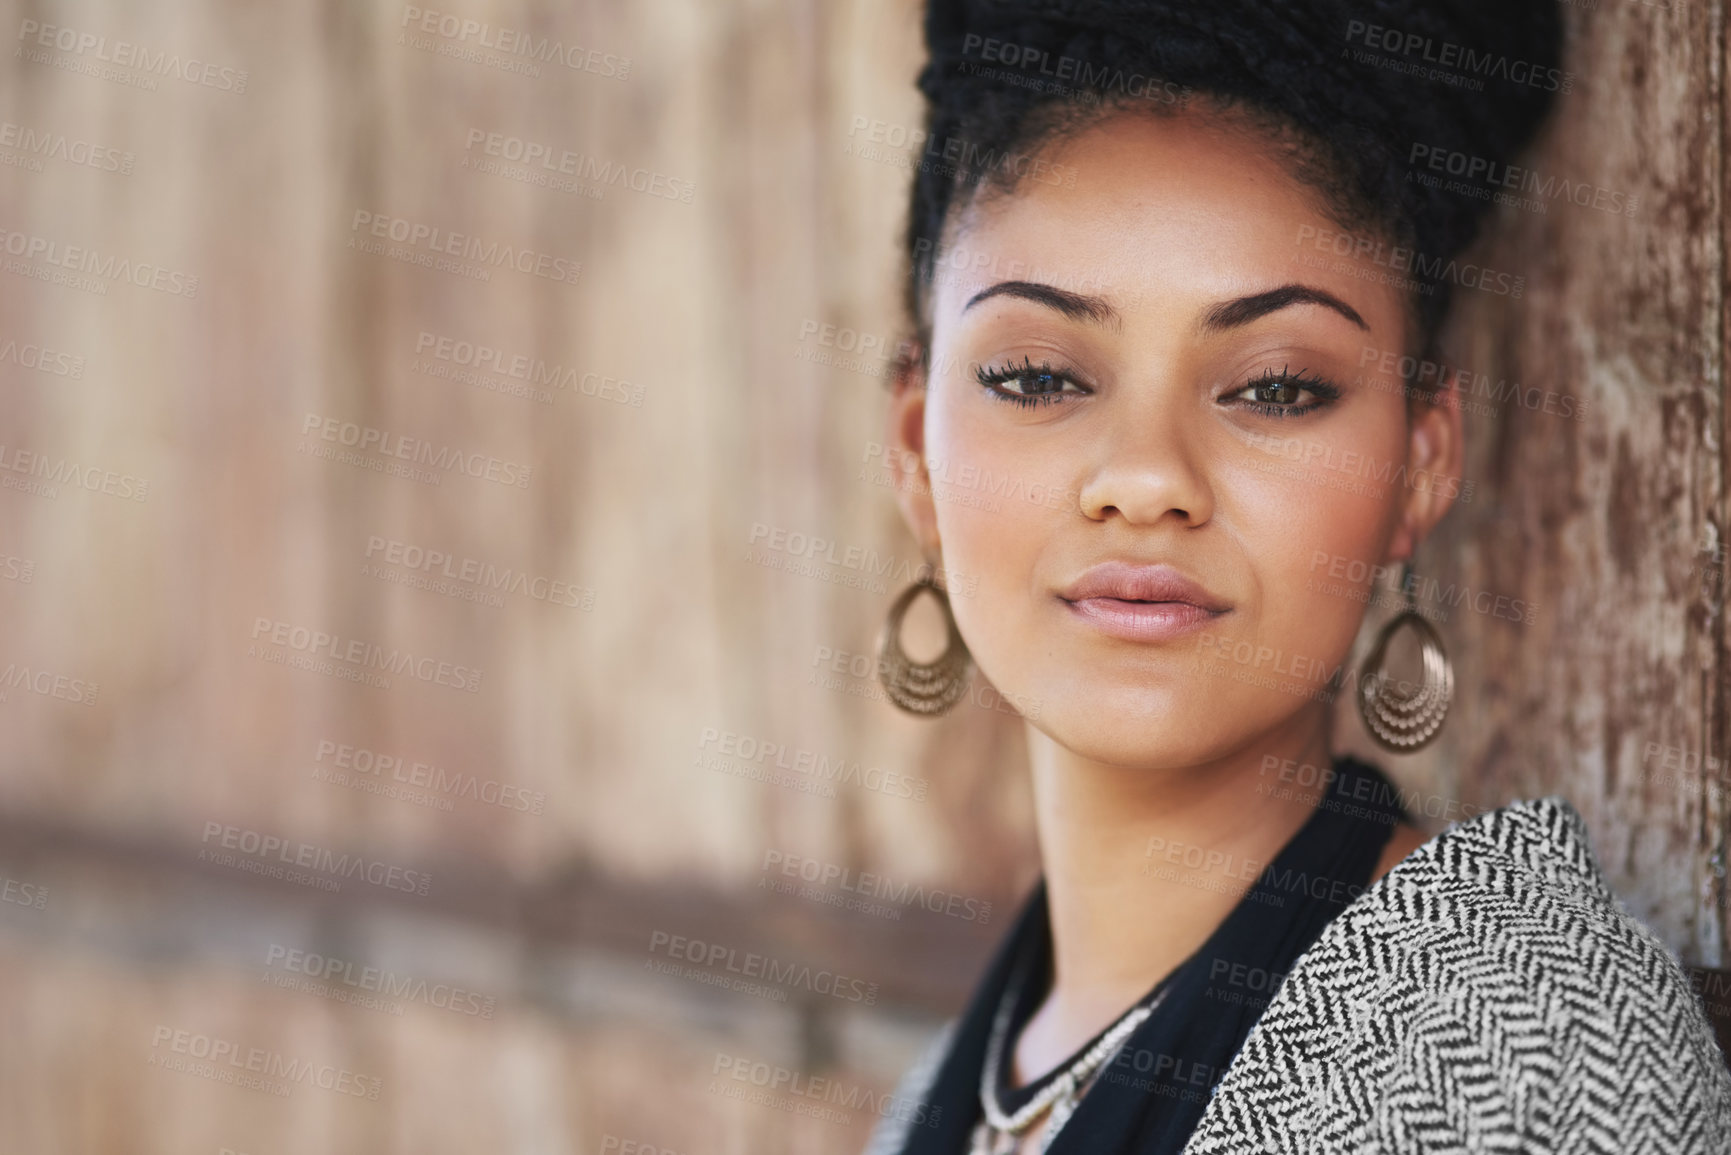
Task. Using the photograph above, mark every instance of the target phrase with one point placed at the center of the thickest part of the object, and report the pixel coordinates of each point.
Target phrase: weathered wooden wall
(749, 412)
(1616, 696)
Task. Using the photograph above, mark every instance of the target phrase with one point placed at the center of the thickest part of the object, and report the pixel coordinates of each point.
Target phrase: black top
(1150, 1097)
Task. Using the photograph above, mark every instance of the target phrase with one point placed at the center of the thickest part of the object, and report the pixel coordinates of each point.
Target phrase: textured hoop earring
(930, 688)
(1398, 719)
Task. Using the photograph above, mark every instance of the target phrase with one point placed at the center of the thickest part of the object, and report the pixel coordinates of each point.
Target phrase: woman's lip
(1141, 582)
(1142, 621)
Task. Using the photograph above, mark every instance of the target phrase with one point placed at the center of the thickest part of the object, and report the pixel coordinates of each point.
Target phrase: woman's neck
(1142, 865)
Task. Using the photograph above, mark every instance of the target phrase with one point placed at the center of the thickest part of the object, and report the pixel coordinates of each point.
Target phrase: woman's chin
(1125, 742)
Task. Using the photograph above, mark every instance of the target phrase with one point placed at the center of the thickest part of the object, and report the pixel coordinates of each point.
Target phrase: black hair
(1354, 90)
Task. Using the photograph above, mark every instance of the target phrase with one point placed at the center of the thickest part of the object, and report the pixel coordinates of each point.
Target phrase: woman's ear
(1435, 455)
(905, 446)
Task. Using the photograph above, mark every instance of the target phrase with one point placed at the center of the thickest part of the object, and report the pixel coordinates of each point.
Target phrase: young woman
(1167, 260)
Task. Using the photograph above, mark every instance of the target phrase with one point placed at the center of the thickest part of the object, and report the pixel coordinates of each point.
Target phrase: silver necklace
(998, 1133)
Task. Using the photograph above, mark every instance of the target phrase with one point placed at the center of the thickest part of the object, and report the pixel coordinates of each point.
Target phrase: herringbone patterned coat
(1488, 994)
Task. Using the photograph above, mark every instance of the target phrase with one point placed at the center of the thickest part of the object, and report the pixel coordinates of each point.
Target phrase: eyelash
(992, 378)
(1325, 392)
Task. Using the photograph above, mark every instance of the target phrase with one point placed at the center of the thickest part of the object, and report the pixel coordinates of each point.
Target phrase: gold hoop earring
(924, 688)
(1398, 719)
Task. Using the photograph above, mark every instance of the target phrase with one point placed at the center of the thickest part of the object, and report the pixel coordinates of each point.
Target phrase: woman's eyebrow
(1243, 310)
(1225, 315)
(1076, 306)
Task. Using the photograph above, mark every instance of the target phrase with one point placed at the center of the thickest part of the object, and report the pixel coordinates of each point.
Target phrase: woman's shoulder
(1489, 986)
(1515, 895)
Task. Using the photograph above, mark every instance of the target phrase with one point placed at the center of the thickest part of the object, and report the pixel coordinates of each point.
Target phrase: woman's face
(1141, 359)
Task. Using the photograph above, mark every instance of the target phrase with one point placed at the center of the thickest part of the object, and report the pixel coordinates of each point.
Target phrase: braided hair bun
(1369, 89)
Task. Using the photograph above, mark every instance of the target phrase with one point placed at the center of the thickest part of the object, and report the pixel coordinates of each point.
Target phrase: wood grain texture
(1617, 689)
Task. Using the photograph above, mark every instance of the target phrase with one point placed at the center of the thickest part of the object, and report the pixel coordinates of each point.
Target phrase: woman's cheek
(1297, 535)
(993, 534)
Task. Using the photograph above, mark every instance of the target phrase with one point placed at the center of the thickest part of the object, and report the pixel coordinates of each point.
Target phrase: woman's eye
(1027, 383)
(1280, 394)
